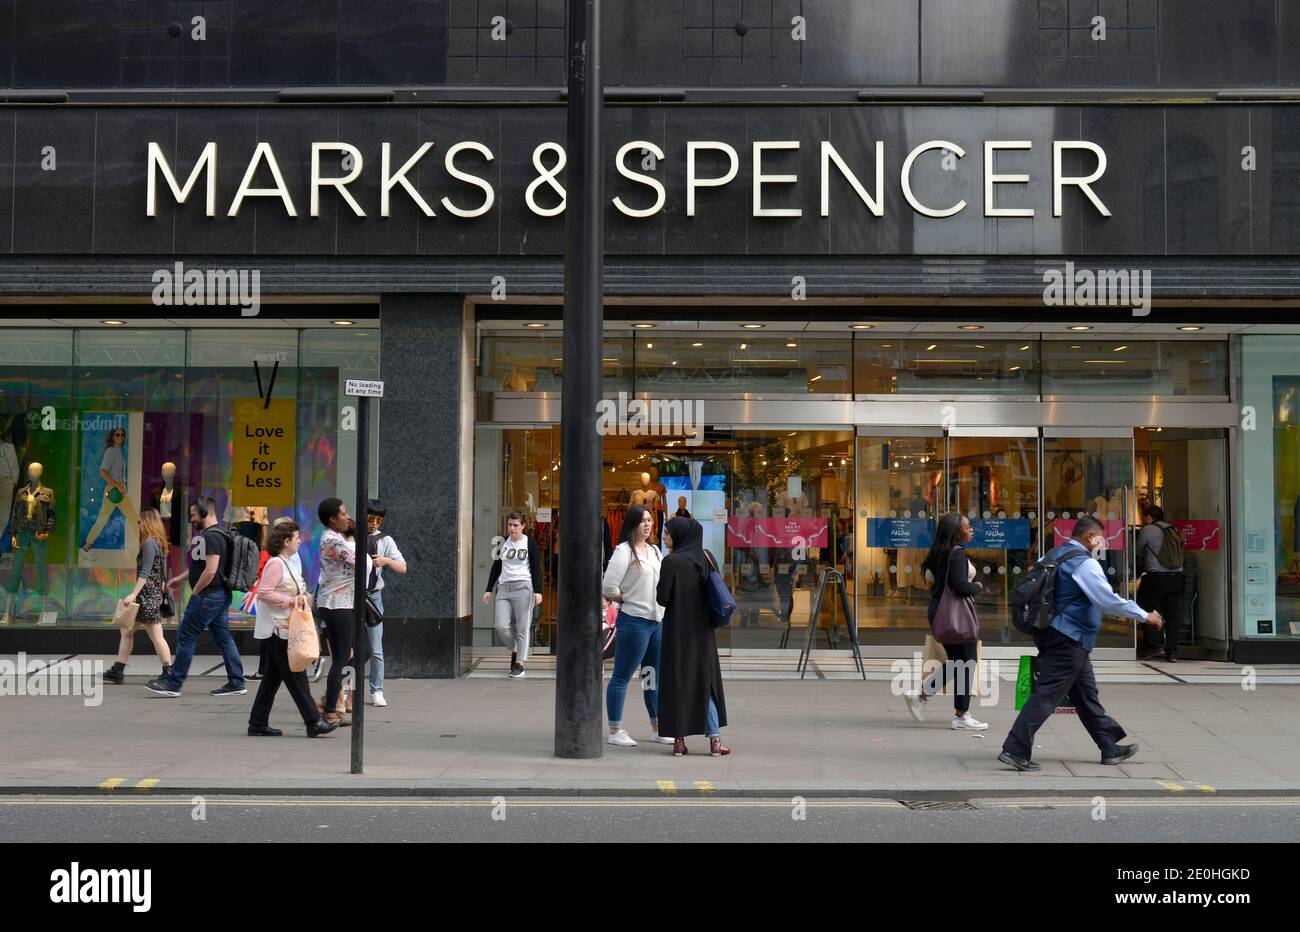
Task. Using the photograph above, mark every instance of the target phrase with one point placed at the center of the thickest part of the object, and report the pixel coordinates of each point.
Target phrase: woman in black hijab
(690, 677)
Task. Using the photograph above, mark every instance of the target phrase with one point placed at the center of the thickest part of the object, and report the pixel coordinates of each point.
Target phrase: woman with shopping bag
(283, 605)
(146, 605)
(953, 622)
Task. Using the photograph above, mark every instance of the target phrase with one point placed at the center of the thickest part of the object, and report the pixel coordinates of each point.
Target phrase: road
(327, 819)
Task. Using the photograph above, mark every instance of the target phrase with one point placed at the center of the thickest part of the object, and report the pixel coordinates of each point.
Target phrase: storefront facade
(878, 304)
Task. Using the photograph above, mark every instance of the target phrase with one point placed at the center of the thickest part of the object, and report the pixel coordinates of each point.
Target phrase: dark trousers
(262, 653)
(338, 630)
(1064, 671)
(1163, 593)
(276, 652)
(963, 676)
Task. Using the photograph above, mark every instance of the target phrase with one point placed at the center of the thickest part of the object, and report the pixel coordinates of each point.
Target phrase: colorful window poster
(109, 488)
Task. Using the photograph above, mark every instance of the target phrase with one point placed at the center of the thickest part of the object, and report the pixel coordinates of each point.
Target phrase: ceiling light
(643, 326)
(697, 344)
(1080, 327)
(1190, 329)
(1024, 348)
(792, 344)
(1014, 369)
(931, 346)
(752, 326)
(861, 326)
(649, 346)
(342, 323)
(1076, 346)
(814, 379)
(112, 323)
(886, 345)
(971, 327)
(1120, 349)
(744, 346)
(535, 325)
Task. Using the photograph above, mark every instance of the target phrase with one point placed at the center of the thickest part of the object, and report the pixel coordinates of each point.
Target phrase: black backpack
(1032, 601)
(242, 559)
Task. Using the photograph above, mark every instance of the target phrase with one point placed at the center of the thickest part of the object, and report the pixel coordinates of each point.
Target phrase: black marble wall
(419, 473)
(676, 43)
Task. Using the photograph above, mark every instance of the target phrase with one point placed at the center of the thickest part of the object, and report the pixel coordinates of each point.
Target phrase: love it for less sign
(263, 453)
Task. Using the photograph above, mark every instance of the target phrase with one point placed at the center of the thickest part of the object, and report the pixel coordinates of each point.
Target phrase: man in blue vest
(1081, 595)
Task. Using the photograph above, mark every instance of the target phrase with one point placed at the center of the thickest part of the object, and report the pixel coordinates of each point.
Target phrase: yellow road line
(666, 786)
(704, 786)
(1172, 786)
(112, 783)
(147, 783)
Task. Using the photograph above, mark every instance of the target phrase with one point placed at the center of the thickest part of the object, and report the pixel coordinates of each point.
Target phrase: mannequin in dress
(33, 519)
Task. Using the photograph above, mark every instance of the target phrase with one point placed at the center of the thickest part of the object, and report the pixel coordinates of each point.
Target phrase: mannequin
(167, 499)
(33, 519)
(247, 521)
(648, 497)
(9, 476)
(681, 508)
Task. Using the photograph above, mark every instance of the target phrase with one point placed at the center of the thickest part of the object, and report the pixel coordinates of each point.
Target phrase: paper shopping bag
(304, 641)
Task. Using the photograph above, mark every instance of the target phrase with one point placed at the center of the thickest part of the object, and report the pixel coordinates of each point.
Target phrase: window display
(97, 424)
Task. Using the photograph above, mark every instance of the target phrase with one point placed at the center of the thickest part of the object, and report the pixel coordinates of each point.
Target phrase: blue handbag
(722, 605)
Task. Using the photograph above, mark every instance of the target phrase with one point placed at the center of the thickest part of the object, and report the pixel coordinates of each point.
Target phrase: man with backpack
(218, 562)
(1160, 559)
(1065, 634)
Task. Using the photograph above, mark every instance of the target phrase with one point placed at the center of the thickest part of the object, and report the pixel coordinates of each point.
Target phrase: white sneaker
(377, 698)
(968, 723)
(916, 704)
(622, 739)
(660, 739)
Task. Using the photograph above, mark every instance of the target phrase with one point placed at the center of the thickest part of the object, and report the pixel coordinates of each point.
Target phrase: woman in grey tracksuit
(517, 575)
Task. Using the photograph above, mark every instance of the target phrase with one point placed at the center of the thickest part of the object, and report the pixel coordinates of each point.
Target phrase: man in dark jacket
(1081, 595)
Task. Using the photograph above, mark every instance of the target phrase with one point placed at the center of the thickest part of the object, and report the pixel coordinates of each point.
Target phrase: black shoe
(1121, 753)
(114, 673)
(162, 687)
(1170, 658)
(228, 690)
(516, 670)
(1019, 763)
(320, 727)
(253, 676)
(265, 731)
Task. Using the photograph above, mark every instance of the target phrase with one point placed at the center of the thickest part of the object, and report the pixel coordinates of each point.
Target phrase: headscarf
(688, 541)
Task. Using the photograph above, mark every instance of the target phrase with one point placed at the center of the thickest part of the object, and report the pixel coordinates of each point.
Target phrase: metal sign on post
(363, 390)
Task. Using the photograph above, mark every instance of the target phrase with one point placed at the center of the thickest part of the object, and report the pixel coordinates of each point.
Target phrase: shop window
(1117, 366)
(536, 364)
(925, 366)
(775, 365)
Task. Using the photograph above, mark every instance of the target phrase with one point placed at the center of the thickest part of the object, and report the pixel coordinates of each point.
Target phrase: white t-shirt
(514, 561)
(387, 548)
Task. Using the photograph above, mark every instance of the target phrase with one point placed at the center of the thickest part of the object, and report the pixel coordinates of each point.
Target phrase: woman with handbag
(952, 619)
(690, 677)
(150, 599)
(280, 593)
(630, 582)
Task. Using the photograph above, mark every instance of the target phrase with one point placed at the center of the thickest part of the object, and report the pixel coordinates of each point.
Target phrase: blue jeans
(636, 646)
(711, 726)
(208, 609)
(376, 634)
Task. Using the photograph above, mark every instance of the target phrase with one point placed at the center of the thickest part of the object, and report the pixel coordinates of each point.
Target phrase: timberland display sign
(852, 174)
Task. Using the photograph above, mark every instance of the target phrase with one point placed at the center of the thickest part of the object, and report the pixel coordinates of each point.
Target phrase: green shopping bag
(1025, 678)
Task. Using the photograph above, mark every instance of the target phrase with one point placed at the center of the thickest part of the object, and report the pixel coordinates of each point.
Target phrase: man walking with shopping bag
(1080, 597)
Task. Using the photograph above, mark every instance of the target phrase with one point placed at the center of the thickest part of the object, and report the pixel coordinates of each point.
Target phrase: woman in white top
(630, 581)
(281, 590)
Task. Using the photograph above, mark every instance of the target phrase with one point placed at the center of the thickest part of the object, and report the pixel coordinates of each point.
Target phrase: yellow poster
(263, 453)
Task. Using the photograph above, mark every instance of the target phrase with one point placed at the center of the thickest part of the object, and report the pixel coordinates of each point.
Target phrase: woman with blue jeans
(630, 581)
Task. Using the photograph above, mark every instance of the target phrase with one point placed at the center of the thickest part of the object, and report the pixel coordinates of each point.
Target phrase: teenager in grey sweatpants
(517, 577)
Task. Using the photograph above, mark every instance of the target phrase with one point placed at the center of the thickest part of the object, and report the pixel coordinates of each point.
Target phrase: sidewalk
(488, 735)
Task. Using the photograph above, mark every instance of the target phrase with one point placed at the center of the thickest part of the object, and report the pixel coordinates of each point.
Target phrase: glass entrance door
(1089, 471)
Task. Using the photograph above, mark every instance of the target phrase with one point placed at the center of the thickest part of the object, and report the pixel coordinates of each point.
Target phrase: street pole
(359, 636)
(578, 671)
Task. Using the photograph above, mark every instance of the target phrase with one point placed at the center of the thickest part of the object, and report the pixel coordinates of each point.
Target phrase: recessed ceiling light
(649, 346)
(886, 345)
(1014, 369)
(792, 344)
(814, 379)
(1024, 348)
(342, 323)
(643, 326)
(1120, 349)
(1076, 346)
(535, 325)
(971, 327)
(1080, 327)
(753, 326)
(1190, 329)
(861, 326)
(744, 346)
(931, 346)
(697, 344)
(112, 323)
